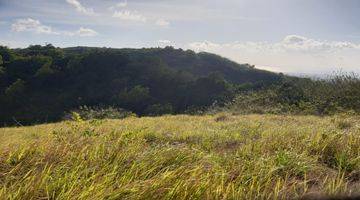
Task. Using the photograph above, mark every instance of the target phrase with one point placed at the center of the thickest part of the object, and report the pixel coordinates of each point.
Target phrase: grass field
(183, 157)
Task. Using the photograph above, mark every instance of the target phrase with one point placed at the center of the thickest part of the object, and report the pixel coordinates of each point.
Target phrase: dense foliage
(41, 83)
(338, 93)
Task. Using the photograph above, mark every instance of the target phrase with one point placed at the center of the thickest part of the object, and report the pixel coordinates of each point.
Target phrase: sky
(291, 36)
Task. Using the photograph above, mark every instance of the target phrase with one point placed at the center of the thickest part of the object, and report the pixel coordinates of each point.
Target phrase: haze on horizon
(293, 36)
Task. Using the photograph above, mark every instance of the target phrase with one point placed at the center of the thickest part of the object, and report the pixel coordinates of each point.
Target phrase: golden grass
(183, 157)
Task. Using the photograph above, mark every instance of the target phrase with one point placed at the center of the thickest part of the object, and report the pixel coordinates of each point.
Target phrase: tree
(136, 99)
(45, 71)
(15, 89)
(6, 54)
(207, 90)
(159, 109)
(291, 93)
(2, 69)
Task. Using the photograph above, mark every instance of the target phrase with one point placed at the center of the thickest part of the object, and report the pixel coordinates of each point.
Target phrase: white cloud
(204, 46)
(13, 44)
(288, 44)
(121, 4)
(162, 22)
(294, 39)
(292, 54)
(130, 16)
(300, 43)
(86, 32)
(31, 25)
(164, 41)
(82, 32)
(80, 8)
(35, 26)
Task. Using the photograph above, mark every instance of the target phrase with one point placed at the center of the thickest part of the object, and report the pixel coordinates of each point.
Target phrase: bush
(337, 94)
(159, 109)
(87, 113)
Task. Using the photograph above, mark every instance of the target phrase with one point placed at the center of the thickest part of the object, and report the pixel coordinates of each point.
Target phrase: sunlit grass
(182, 157)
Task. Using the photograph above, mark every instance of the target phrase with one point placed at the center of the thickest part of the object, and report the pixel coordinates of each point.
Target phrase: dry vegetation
(183, 157)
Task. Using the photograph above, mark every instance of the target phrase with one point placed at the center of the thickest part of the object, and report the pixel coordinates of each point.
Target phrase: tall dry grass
(183, 157)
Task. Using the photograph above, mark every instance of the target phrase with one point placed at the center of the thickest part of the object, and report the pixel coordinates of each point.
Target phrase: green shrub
(87, 113)
(159, 109)
(337, 94)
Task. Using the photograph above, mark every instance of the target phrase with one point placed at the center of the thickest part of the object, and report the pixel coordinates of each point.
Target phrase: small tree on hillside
(2, 69)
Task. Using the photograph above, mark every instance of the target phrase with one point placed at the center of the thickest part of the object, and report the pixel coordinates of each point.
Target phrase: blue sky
(296, 36)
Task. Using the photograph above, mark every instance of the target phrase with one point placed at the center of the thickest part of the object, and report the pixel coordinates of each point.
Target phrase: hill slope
(182, 157)
(40, 83)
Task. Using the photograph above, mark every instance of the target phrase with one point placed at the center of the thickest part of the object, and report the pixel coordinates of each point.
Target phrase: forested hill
(197, 64)
(40, 83)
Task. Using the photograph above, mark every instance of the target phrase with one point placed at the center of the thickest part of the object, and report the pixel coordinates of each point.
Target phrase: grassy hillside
(182, 157)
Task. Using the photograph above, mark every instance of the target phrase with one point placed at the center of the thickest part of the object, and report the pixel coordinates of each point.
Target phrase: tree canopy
(40, 83)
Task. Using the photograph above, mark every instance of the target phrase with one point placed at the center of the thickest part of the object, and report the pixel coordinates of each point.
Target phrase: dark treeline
(41, 83)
